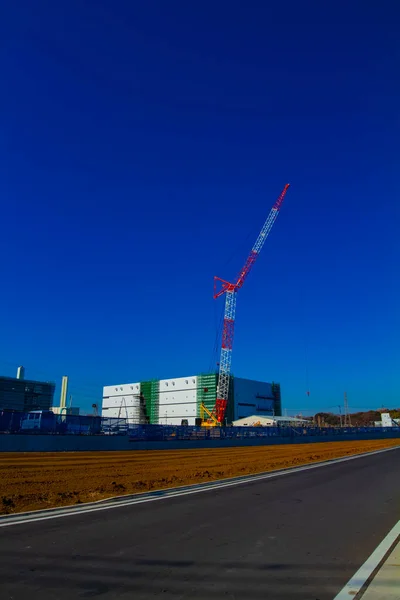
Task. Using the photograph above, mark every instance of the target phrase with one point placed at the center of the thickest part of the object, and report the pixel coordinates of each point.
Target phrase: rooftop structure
(25, 395)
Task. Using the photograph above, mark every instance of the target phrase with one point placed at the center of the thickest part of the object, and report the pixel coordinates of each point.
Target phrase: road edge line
(360, 578)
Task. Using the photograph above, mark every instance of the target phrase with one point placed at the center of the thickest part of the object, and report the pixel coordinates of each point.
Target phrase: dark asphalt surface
(299, 536)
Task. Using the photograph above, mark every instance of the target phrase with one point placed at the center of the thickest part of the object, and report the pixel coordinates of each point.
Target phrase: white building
(257, 420)
(387, 421)
(123, 402)
(177, 401)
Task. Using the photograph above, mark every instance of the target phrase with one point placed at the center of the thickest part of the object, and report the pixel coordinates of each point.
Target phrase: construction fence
(42, 422)
(168, 433)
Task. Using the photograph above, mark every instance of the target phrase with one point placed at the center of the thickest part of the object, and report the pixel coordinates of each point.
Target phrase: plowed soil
(31, 481)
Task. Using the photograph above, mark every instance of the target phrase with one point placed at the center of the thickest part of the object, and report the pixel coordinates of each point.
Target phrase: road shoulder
(386, 583)
(379, 577)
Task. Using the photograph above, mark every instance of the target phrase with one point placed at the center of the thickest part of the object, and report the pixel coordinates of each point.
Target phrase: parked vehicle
(39, 420)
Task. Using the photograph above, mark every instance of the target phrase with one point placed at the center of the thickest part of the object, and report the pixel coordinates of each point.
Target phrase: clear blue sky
(142, 145)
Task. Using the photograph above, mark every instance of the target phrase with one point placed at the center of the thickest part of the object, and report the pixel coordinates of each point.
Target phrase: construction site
(189, 401)
(195, 419)
(199, 394)
(208, 400)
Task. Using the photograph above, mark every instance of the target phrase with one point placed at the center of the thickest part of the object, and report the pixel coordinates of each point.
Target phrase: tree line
(357, 419)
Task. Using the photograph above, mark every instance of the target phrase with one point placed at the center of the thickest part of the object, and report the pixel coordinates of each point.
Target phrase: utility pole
(340, 415)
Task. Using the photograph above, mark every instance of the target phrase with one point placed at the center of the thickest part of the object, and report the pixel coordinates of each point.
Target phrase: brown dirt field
(31, 481)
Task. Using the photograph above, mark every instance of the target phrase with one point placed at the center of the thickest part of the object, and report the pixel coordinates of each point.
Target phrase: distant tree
(358, 419)
(328, 418)
(364, 419)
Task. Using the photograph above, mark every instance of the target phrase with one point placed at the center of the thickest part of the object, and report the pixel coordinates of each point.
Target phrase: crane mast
(230, 291)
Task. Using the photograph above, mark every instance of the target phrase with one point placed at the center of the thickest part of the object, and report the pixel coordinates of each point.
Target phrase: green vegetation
(358, 419)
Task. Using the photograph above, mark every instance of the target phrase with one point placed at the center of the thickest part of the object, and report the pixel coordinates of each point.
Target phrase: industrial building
(387, 421)
(178, 401)
(259, 421)
(19, 394)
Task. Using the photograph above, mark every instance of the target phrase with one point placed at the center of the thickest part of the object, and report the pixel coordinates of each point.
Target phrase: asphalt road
(300, 536)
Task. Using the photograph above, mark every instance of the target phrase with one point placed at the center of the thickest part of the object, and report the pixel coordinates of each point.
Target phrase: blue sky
(142, 145)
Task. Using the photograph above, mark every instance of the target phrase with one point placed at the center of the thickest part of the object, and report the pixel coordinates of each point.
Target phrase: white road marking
(354, 585)
(386, 582)
(122, 501)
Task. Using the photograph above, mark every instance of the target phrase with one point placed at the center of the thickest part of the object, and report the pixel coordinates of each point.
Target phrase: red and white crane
(230, 290)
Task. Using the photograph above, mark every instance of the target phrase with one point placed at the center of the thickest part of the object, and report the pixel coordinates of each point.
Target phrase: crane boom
(230, 290)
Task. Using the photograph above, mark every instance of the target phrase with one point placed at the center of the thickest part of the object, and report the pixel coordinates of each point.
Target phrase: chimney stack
(21, 372)
(64, 390)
